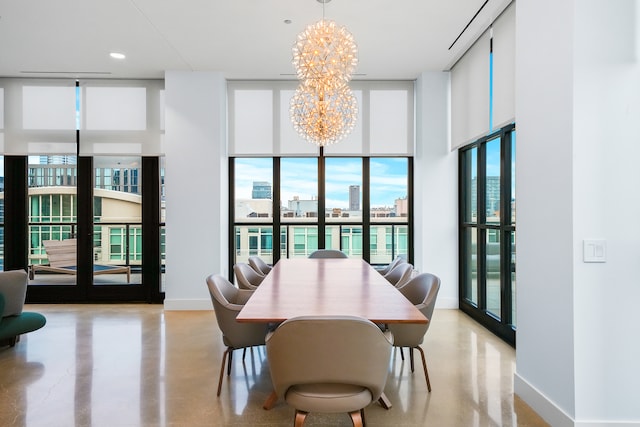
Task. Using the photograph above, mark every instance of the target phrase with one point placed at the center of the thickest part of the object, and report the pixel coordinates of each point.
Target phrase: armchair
(13, 321)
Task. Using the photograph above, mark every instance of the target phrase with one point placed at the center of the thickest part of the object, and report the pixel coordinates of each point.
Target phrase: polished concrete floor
(138, 365)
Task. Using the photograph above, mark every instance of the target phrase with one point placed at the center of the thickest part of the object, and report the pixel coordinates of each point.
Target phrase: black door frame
(502, 326)
(17, 237)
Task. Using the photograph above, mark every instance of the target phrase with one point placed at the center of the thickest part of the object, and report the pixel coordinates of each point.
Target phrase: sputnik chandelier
(323, 109)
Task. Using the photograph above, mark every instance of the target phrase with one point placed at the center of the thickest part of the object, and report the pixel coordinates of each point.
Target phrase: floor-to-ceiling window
(488, 231)
(289, 197)
(363, 208)
(77, 205)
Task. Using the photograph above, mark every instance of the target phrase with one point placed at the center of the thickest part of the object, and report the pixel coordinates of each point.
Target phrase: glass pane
(253, 190)
(343, 186)
(284, 247)
(513, 279)
(401, 240)
(471, 265)
(492, 200)
(299, 190)
(302, 240)
(163, 217)
(254, 241)
(513, 178)
(351, 237)
(492, 260)
(471, 185)
(52, 218)
(117, 236)
(389, 190)
(378, 247)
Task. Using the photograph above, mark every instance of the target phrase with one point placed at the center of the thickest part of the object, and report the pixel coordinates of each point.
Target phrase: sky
(299, 178)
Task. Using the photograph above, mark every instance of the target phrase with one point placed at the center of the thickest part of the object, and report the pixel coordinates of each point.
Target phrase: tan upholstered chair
(259, 265)
(246, 276)
(227, 303)
(328, 253)
(397, 260)
(422, 291)
(329, 364)
(400, 274)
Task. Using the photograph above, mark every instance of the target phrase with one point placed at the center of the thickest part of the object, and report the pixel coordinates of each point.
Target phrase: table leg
(271, 400)
(384, 401)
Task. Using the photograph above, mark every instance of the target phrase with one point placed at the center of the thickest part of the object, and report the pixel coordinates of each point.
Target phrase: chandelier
(323, 109)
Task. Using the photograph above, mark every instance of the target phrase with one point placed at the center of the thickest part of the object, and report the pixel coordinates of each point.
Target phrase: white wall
(196, 186)
(607, 206)
(436, 187)
(577, 103)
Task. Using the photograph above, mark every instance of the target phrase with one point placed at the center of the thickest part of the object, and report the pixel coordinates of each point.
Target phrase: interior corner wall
(436, 187)
(196, 186)
(578, 99)
(544, 204)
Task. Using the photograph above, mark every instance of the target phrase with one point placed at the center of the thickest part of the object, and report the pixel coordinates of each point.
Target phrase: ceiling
(243, 39)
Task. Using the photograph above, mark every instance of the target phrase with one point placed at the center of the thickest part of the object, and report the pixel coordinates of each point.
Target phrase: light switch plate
(594, 250)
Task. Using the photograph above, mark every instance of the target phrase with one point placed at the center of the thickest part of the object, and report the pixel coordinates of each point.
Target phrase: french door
(86, 228)
(488, 232)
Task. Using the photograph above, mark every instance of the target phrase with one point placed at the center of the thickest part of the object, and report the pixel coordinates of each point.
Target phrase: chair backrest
(422, 291)
(246, 276)
(259, 265)
(400, 274)
(329, 349)
(227, 302)
(328, 253)
(397, 260)
(13, 287)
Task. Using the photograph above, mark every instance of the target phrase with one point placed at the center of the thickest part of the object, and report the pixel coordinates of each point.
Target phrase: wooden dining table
(327, 287)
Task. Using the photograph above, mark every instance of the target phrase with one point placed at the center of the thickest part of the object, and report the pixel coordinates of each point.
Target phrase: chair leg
(230, 360)
(402, 353)
(298, 421)
(244, 353)
(224, 359)
(424, 365)
(356, 418)
(411, 358)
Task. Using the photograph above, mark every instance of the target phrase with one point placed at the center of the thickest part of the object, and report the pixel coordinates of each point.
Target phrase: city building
(261, 190)
(354, 197)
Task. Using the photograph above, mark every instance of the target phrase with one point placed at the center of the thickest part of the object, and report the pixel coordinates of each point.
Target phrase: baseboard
(188, 304)
(552, 413)
(447, 303)
(541, 403)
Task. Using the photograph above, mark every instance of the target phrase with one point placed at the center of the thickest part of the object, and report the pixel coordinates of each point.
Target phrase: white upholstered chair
(328, 253)
(259, 265)
(329, 364)
(227, 302)
(246, 276)
(422, 291)
(400, 274)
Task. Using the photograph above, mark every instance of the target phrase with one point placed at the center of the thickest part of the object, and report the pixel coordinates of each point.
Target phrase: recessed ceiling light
(117, 55)
(287, 21)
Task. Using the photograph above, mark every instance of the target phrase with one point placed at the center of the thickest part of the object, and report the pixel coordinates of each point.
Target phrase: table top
(333, 286)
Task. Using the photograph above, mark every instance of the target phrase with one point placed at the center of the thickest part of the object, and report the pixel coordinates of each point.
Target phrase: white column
(578, 99)
(196, 186)
(436, 187)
